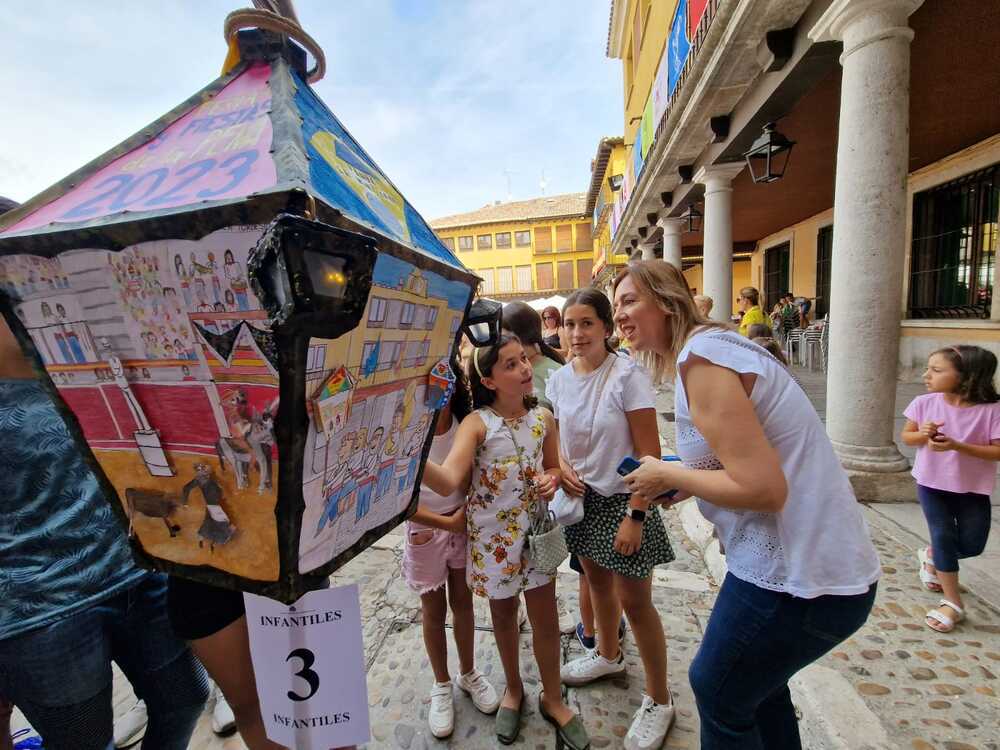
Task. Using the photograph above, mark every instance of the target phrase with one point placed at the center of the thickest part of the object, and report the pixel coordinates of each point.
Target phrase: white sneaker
(131, 727)
(591, 667)
(650, 725)
(484, 697)
(223, 720)
(441, 717)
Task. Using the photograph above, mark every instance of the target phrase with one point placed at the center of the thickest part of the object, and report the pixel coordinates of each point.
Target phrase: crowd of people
(553, 407)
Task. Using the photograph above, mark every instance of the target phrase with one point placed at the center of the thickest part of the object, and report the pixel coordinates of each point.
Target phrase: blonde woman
(802, 569)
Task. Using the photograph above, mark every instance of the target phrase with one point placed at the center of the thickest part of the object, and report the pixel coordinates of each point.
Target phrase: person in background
(61, 625)
(802, 569)
(749, 305)
(956, 429)
(704, 304)
(759, 331)
(553, 333)
(524, 322)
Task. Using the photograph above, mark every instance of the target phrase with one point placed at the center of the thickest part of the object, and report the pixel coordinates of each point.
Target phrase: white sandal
(927, 578)
(948, 622)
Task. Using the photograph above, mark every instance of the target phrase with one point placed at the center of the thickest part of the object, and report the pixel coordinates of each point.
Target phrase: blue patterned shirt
(61, 546)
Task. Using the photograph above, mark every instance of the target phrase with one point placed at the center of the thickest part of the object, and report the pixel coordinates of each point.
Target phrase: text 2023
(164, 187)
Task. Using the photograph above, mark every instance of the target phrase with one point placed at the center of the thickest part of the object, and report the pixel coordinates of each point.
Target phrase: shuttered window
(487, 274)
(505, 280)
(524, 278)
(543, 239)
(566, 274)
(584, 271)
(564, 238)
(543, 271)
(584, 238)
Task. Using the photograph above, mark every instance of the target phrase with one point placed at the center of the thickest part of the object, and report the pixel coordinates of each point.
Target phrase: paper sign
(309, 660)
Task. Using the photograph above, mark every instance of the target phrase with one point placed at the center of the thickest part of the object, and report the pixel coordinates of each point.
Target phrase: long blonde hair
(667, 287)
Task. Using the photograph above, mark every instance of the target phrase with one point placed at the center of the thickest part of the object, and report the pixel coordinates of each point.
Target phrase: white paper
(309, 661)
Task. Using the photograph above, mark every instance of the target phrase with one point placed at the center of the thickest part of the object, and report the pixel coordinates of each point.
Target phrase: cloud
(445, 95)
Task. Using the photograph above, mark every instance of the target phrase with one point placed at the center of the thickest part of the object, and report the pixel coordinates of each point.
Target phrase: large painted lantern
(246, 327)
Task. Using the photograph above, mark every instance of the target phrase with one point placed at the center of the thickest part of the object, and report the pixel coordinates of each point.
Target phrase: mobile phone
(629, 464)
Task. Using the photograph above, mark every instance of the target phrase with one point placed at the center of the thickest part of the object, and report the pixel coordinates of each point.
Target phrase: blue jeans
(959, 524)
(754, 642)
(59, 675)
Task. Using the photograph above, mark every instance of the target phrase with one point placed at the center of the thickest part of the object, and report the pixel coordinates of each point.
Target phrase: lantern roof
(255, 142)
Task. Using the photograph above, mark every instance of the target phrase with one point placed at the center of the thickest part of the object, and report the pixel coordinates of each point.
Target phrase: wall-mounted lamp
(693, 217)
(615, 182)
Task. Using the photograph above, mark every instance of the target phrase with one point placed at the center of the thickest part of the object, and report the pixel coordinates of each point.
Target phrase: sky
(445, 95)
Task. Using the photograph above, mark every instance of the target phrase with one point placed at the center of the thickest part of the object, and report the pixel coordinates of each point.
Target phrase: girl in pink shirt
(956, 426)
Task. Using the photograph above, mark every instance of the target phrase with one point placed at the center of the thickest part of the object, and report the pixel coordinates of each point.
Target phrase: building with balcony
(524, 249)
(886, 212)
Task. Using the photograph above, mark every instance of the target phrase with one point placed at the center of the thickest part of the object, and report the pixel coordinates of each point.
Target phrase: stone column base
(883, 487)
(881, 459)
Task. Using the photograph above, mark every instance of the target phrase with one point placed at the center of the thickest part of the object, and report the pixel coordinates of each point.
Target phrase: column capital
(717, 177)
(670, 225)
(881, 19)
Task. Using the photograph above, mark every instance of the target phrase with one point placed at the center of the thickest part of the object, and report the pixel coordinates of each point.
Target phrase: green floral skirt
(594, 536)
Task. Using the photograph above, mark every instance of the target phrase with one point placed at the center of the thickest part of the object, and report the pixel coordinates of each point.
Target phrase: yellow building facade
(524, 249)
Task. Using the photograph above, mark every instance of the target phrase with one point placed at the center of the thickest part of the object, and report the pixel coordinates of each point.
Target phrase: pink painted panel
(219, 150)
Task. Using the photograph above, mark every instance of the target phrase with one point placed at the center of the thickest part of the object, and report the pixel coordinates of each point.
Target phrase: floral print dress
(501, 505)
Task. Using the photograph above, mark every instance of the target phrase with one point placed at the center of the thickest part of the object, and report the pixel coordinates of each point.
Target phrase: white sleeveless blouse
(819, 542)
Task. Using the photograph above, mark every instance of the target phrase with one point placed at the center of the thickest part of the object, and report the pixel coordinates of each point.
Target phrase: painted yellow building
(606, 171)
(524, 249)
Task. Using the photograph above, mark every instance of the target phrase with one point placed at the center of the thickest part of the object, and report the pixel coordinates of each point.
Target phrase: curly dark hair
(486, 357)
(461, 399)
(977, 367)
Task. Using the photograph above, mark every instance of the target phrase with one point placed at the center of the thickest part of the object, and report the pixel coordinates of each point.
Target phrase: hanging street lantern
(768, 156)
(693, 217)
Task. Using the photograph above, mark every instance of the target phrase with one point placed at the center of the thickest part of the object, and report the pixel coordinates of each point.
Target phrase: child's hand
(571, 481)
(456, 521)
(930, 429)
(941, 443)
(547, 485)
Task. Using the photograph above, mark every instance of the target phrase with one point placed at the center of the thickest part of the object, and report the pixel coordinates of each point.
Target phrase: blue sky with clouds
(444, 94)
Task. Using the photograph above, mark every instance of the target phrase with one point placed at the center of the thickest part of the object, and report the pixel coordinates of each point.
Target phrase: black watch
(636, 515)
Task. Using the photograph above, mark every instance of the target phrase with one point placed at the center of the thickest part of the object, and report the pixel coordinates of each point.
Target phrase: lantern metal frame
(694, 219)
(768, 157)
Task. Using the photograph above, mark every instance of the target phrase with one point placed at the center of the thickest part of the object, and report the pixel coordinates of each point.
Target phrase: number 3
(306, 673)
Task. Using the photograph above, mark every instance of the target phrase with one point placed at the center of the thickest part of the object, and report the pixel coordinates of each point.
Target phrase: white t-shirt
(819, 542)
(440, 447)
(595, 443)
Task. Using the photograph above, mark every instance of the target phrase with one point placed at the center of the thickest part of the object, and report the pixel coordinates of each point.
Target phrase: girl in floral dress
(511, 447)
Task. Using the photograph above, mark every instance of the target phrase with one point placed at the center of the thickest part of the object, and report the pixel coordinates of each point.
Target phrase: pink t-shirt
(950, 470)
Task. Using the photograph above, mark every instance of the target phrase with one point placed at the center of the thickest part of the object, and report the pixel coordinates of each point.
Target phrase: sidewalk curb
(834, 717)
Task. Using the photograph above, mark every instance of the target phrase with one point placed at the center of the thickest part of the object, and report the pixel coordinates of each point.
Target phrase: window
(456, 323)
(953, 255)
(484, 241)
(393, 313)
(505, 280)
(449, 242)
(584, 238)
(432, 316)
(524, 278)
(465, 243)
(409, 312)
(566, 274)
(503, 239)
(543, 271)
(584, 271)
(376, 312)
(487, 286)
(522, 239)
(564, 238)
(389, 354)
(776, 262)
(316, 358)
(412, 356)
(824, 253)
(543, 239)
(366, 353)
